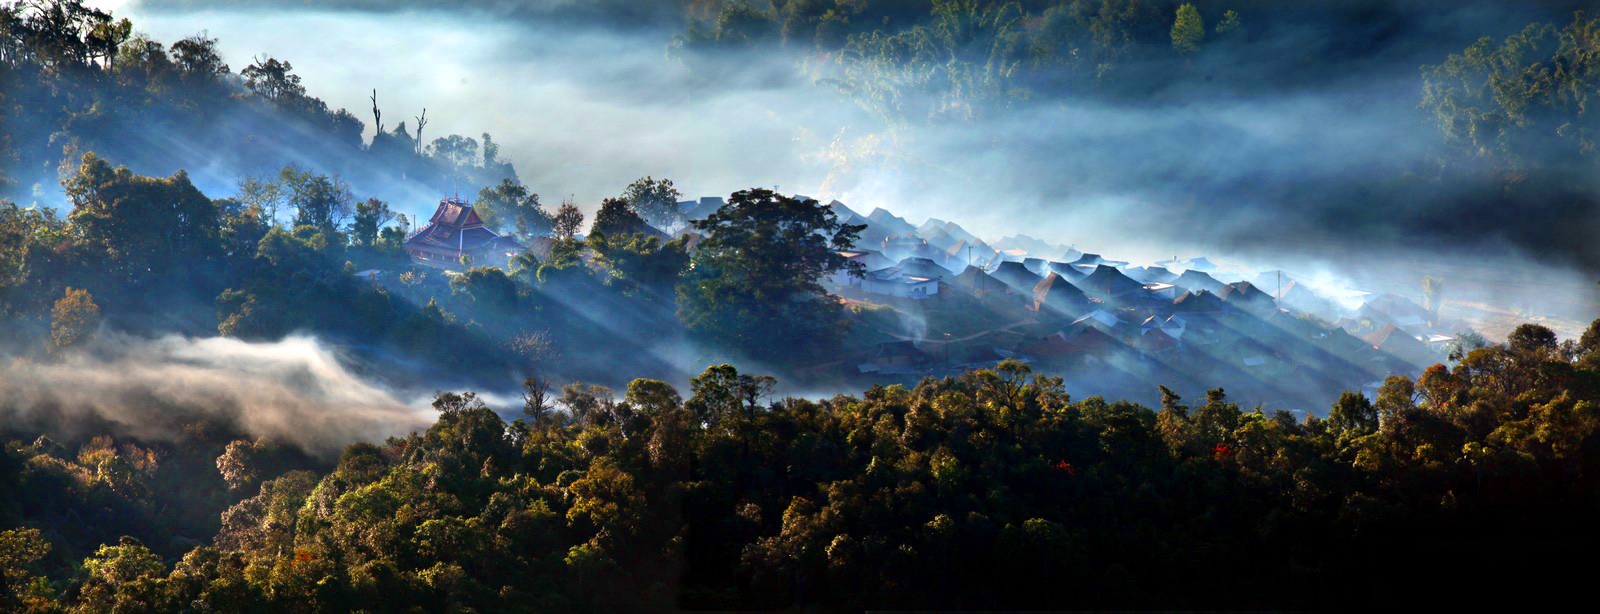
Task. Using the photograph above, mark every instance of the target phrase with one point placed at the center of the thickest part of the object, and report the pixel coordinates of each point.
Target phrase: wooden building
(455, 230)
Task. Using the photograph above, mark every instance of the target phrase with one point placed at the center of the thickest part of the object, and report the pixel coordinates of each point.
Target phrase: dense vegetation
(994, 489)
(77, 79)
(1505, 119)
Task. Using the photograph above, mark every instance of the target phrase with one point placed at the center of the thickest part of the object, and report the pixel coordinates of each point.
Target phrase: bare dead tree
(422, 120)
(377, 116)
(536, 400)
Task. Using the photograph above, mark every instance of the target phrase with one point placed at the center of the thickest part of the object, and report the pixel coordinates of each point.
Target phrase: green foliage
(1522, 103)
(989, 490)
(142, 225)
(566, 221)
(20, 589)
(656, 201)
(617, 217)
(1188, 29)
(509, 205)
(370, 217)
(642, 265)
(960, 66)
(1229, 26)
(73, 319)
(754, 281)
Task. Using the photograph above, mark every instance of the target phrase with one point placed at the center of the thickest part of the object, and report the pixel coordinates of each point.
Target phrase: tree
(149, 229)
(238, 464)
(617, 218)
(197, 58)
(754, 283)
(1229, 28)
(370, 216)
(568, 219)
(274, 80)
(1589, 342)
(656, 201)
(1353, 413)
(1532, 338)
(122, 578)
(1523, 103)
(642, 265)
(20, 549)
(74, 319)
(1188, 30)
(536, 400)
(458, 153)
(487, 289)
(319, 201)
(511, 205)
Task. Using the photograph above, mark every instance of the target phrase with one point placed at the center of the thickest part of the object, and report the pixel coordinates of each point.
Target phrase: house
(1396, 342)
(1156, 342)
(455, 231)
(1018, 277)
(896, 357)
(1397, 310)
(940, 239)
(977, 357)
(1299, 297)
(1037, 265)
(974, 280)
(1151, 275)
(1194, 280)
(869, 261)
(1173, 326)
(967, 254)
(702, 208)
(1161, 290)
(1197, 264)
(922, 267)
(1055, 294)
(1198, 303)
(1250, 353)
(891, 223)
(1108, 284)
(894, 281)
(902, 244)
(1102, 320)
(1072, 273)
(1069, 343)
(1244, 295)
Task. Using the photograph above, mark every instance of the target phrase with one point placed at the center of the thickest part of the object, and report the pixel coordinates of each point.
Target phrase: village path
(1022, 322)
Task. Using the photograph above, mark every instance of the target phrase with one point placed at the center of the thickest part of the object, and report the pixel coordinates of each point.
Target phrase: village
(935, 300)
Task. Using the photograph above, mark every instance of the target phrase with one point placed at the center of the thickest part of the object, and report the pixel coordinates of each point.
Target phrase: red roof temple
(455, 230)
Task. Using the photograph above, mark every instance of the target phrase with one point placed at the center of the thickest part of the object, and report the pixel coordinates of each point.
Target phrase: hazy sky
(583, 109)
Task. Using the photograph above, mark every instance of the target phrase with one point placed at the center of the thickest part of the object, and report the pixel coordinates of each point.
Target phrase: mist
(583, 107)
(294, 391)
(1276, 175)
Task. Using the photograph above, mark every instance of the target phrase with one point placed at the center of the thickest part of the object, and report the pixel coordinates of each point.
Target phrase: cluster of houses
(1101, 311)
(1096, 310)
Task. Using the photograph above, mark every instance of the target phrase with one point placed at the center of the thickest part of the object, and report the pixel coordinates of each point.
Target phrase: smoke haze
(583, 106)
(294, 391)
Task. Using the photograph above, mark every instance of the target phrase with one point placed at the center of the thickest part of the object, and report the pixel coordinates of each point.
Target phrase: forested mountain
(225, 386)
(80, 80)
(992, 490)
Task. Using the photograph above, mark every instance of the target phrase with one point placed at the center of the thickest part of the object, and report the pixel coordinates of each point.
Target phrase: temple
(455, 230)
